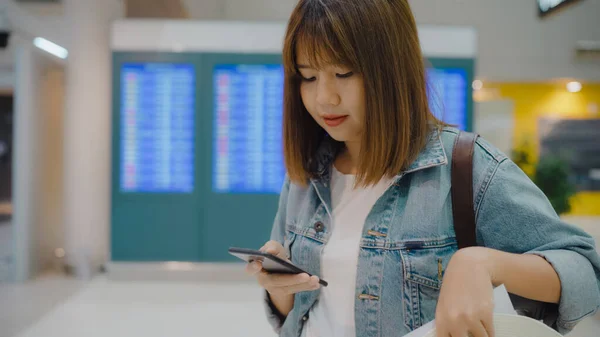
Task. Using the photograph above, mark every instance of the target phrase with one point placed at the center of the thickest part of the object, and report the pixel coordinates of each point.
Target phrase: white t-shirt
(333, 314)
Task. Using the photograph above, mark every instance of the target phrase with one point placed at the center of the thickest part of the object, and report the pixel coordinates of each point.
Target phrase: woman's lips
(334, 121)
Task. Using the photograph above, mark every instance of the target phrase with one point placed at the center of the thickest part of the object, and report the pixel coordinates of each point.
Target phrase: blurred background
(139, 139)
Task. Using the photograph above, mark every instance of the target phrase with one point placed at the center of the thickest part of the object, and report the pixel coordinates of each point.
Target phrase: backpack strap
(463, 210)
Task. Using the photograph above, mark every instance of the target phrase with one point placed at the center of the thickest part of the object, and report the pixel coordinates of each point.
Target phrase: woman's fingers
(488, 324)
(275, 248)
(478, 330)
(463, 324)
(284, 280)
(253, 268)
(287, 284)
(467, 328)
(312, 284)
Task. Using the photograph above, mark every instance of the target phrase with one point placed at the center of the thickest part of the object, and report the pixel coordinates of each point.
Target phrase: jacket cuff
(580, 293)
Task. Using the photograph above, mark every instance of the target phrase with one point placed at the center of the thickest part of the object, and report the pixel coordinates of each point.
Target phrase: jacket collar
(431, 156)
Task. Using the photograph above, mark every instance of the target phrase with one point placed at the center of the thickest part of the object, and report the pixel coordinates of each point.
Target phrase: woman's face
(334, 96)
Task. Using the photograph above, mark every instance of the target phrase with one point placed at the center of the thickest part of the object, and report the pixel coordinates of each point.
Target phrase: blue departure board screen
(247, 144)
(157, 128)
(448, 95)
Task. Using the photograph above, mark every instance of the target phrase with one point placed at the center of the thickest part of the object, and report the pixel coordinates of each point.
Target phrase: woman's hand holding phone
(281, 287)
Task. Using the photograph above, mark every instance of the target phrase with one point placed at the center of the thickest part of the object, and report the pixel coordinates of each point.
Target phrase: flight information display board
(448, 95)
(247, 143)
(157, 128)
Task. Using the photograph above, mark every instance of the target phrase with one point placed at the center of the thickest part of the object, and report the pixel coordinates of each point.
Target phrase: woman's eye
(346, 75)
(311, 79)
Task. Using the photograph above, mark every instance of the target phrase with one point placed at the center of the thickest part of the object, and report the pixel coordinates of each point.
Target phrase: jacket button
(305, 318)
(319, 227)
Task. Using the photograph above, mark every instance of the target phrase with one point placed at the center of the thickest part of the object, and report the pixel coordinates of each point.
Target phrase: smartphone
(270, 262)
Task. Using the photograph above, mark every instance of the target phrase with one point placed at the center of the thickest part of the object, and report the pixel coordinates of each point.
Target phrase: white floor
(107, 308)
(60, 307)
(22, 305)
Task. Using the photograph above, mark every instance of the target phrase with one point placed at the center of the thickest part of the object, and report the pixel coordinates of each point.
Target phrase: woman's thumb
(275, 248)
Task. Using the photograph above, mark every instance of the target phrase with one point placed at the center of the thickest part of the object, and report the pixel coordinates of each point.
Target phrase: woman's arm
(526, 275)
(466, 303)
(515, 217)
(528, 249)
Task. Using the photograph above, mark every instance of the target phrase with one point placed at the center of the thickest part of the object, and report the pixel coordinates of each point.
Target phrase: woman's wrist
(283, 304)
(482, 259)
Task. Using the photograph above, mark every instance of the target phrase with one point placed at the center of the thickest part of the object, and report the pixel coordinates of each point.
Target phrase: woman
(367, 203)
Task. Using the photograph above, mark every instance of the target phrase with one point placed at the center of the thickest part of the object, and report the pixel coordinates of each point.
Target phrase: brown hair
(377, 39)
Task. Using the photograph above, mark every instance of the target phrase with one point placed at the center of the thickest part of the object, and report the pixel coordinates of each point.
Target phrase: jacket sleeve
(278, 234)
(515, 216)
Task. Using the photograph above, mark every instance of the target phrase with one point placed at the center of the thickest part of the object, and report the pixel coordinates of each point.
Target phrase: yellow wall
(535, 100)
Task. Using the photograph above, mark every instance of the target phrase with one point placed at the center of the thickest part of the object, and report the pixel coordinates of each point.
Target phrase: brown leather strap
(465, 226)
(462, 190)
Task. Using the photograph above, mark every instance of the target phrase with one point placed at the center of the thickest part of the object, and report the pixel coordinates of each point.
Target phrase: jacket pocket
(425, 264)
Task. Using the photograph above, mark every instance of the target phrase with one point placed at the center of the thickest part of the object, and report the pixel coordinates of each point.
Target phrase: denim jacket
(408, 239)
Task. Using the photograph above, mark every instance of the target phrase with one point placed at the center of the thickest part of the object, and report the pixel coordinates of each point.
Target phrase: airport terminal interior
(140, 139)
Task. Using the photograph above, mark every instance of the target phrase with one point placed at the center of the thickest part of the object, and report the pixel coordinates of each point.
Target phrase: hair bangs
(321, 40)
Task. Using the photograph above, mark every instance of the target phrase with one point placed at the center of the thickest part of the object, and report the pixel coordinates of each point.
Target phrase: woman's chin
(337, 136)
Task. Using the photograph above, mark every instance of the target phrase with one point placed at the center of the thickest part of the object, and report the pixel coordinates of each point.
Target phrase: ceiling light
(574, 86)
(477, 85)
(50, 47)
